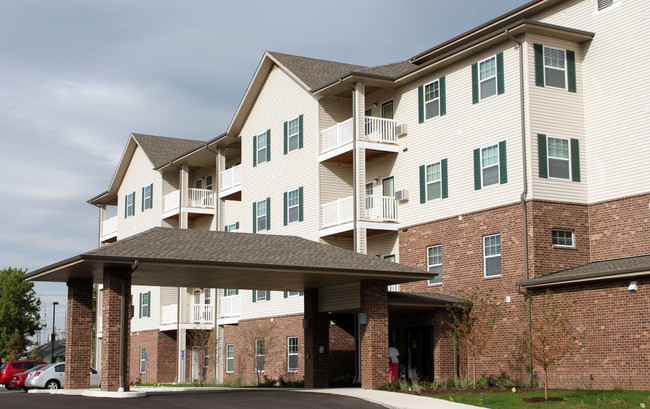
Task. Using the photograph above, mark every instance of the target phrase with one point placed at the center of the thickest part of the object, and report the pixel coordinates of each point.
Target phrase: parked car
(52, 376)
(8, 369)
(18, 380)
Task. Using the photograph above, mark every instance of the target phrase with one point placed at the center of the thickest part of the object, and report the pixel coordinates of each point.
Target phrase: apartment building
(507, 158)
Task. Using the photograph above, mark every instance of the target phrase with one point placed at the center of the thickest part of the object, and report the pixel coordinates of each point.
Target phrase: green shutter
(286, 138)
(302, 293)
(575, 160)
(268, 145)
(140, 308)
(443, 96)
(541, 153)
(475, 83)
(477, 169)
(501, 86)
(423, 190)
(285, 208)
(503, 163)
(254, 151)
(268, 213)
(286, 294)
(254, 217)
(445, 193)
(142, 205)
(268, 295)
(421, 103)
(300, 132)
(300, 212)
(237, 226)
(254, 295)
(539, 65)
(126, 206)
(149, 306)
(571, 70)
(151, 194)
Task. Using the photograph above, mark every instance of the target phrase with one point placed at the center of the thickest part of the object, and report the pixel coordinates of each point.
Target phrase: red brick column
(111, 313)
(316, 335)
(78, 344)
(374, 335)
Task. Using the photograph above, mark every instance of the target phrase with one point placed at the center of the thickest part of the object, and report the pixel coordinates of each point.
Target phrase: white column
(360, 165)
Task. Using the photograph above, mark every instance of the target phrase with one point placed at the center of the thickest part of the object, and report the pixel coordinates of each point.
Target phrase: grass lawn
(579, 399)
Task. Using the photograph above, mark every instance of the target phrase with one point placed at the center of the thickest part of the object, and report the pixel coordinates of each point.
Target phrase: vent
(603, 4)
(401, 195)
(400, 129)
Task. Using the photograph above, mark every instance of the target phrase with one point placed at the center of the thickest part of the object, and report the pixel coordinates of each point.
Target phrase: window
(434, 263)
(230, 358)
(147, 197)
(261, 295)
(230, 291)
(207, 296)
(259, 355)
(559, 158)
(432, 100)
(490, 166)
(145, 300)
(555, 68)
(208, 182)
(206, 361)
(143, 360)
(293, 206)
(434, 181)
(390, 258)
(198, 184)
(487, 77)
(262, 148)
(292, 294)
(292, 351)
(492, 255)
(293, 134)
(387, 110)
(563, 238)
(261, 212)
(233, 227)
(129, 208)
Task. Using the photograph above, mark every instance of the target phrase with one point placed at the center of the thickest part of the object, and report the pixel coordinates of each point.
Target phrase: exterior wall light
(632, 286)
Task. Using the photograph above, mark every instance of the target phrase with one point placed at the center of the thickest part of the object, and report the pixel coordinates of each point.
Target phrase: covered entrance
(200, 258)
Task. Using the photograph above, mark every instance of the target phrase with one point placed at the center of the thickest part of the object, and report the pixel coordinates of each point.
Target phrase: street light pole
(54, 304)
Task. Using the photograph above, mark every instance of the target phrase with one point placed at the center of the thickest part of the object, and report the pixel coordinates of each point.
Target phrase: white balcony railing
(202, 313)
(172, 200)
(169, 314)
(337, 135)
(381, 208)
(393, 288)
(380, 130)
(231, 177)
(338, 212)
(201, 198)
(230, 306)
(109, 226)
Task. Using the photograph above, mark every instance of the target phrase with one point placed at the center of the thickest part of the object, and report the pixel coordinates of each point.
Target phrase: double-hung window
(129, 205)
(490, 166)
(432, 99)
(230, 358)
(492, 255)
(434, 263)
(261, 295)
(487, 70)
(293, 134)
(434, 181)
(292, 352)
(208, 182)
(233, 227)
(555, 68)
(262, 148)
(293, 206)
(261, 215)
(207, 296)
(293, 294)
(563, 238)
(559, 158)
(147, 197)
(260, 355)
(143, 360)
(230, 291)
(145, 304)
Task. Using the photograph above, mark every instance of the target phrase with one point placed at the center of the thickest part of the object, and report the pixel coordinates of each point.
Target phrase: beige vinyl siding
(558, 113)
(335, 183)
(202, 222)
(454, 136)
(281, 99)
(233, 213)
(340, 242)
(384, 244)
(168, 296)
(171, 182)
(140, 173)
(151, 322)
(332, 111)
(339, 298)
(615, 89)
(277, 305)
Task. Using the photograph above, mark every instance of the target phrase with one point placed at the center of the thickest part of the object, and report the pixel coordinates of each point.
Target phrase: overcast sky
(77, 77)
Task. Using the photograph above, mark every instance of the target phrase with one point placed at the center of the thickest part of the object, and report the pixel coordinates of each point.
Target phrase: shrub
(266, 382)
(342, 381)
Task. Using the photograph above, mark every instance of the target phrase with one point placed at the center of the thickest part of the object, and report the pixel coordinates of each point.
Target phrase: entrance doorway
(415, 346)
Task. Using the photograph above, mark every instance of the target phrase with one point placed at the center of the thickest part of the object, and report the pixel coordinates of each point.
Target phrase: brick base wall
(79, 334)
(111, 313)
(341, 347)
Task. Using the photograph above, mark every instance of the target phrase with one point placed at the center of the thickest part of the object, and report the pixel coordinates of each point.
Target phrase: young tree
(19, 313)
(552, 337)
(473, 323)
(259, 344)
(206, 342)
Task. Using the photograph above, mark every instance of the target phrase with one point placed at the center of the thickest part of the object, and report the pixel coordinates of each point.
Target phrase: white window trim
(492, 256)
(147, 305)
(130, 197)
(263, 135)
(426, 182)
(597, 12)
(548, 158)
(573, 238)
(230, 358)
(392, 103)
(434, 265)
(209, 185)
(232, 227)
(496, 79)
(290, 295)
(565, 69)
(297, 205)
(498, 165)
(207, 296)
(425, 102)
(257, 295)
(293, 135)
(258, 216)
(258, 355)
(289, 354)
(143, 361)
(147, 197)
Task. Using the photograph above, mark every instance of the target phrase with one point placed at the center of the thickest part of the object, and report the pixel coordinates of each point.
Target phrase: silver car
(52, 377)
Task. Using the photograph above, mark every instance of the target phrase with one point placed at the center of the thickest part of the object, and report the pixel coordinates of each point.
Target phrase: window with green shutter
(559, 158)
(488, 78)
(147, 197)
(261, 215)
(490, 166)
(433, 181)
(293, 134)
(262, 148)
(432, 100)
(293, 206)
(129, 205)
(555, 68)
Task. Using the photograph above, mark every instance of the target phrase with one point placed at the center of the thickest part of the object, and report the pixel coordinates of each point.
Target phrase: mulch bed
(478, 390)
(541, 399)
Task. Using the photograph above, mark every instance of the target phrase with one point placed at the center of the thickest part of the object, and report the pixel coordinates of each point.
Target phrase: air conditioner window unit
(400, 129)
(401, 195)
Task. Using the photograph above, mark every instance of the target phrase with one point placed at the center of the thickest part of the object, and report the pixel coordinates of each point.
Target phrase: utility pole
(54, 304)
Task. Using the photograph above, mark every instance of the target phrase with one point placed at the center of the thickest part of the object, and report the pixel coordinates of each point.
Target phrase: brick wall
(79, 334)
(148, 340)
(166, 357)
(341, 346)
(374, 334)
(111, 313)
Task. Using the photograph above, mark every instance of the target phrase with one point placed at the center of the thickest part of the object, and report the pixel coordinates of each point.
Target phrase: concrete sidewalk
(393, 400)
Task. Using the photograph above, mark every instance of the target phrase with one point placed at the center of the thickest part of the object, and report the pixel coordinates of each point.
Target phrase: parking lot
(227, 398)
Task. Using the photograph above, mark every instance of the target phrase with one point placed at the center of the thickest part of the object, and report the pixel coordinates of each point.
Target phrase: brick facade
(79, 334)
(342, 347)
(374, 334)
(111, 313)
(161, 356)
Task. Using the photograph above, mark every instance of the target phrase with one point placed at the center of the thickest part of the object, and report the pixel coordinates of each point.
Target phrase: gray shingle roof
(594, 271)
(161, 149)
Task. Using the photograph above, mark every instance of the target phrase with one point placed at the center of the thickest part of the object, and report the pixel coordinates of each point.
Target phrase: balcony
(195, 314)
(379, 213)
(231, 182)
(379, 136)
(199, 201)
(202, 313)
(109, 230)
(169, 314)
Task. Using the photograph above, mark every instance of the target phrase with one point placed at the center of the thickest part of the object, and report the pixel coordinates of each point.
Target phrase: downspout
(524, 193)
(136, 263)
